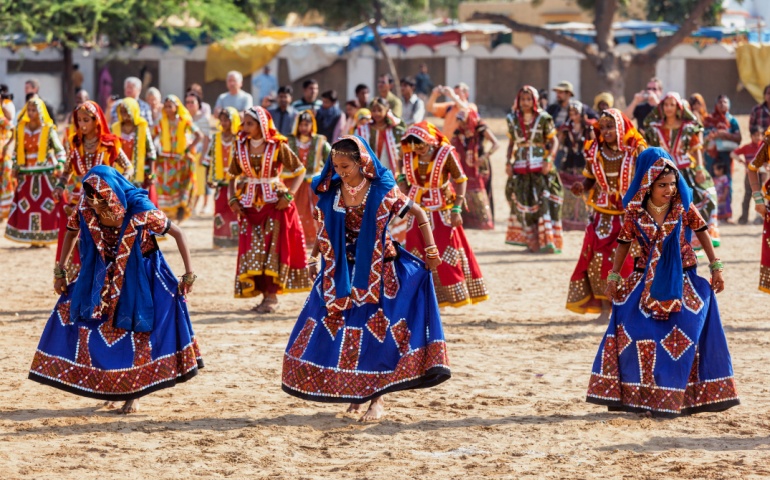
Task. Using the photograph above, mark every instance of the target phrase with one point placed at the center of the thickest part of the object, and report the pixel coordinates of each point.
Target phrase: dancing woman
(176, 164)
(266, 175)
(674, 128)
(665, 351)
(534, 190)
(121, 330)
(218, 164)
(761, 195)
(468, 143)
(610, 164)
(371, 324)
(312, 150)
(136, 142)
(436, 182)
(91, 144)
(34, 218)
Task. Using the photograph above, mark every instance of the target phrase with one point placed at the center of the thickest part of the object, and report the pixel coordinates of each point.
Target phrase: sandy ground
(514, 407)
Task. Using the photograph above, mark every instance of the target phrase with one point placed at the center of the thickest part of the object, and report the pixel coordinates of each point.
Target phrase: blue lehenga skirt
(374, 349)
(671, 367)
(97, 360)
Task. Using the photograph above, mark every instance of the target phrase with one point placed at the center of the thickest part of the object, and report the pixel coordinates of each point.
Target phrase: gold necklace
(657, 209)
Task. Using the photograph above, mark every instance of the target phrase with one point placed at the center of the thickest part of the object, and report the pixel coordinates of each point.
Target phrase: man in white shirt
(234, 96)
(414, 107)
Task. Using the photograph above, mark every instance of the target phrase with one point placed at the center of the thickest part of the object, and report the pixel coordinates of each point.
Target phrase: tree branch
(667, 44)
(551, 35)
(603, 17)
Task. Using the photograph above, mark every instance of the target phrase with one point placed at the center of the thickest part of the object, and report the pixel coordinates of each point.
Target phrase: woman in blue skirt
(665, 351)
(371, 324)
(121, 330)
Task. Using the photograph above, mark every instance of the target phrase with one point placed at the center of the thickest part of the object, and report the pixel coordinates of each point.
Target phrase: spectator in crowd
(205, 107)
(644, 102)
(698, 107)
(423, 83)
(31, 90)
(362, 95)
(234, 96)
(77, 78)
(330, 118)
(268, 102)
(414, 107)
(603, 101)
(283, 113)
(542, 99)
(745, 155)
(6, 101)
(722, 135)
(448, 110)
(155, 102)
(351, 109)
(760, 114)
(193, 103)
(384, 87)
(264, 84)
(559, 110)
(132, 88)
(309, 100)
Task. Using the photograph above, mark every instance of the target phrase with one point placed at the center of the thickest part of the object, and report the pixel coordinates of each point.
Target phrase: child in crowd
(748, 152)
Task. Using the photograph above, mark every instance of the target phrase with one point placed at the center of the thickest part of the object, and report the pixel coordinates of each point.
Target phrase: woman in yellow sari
(34, 218)
(136, 141)
(175, 165)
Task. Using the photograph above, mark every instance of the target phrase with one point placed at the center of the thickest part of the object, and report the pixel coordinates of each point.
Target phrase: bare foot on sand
(109, 405)
(354, 408)
(131, 406)
(376, 410)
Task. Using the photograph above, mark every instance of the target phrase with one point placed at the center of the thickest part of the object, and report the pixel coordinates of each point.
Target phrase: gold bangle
(420, 225)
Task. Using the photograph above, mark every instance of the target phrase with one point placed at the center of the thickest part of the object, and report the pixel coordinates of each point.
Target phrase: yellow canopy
(752, 63)
(245, 53)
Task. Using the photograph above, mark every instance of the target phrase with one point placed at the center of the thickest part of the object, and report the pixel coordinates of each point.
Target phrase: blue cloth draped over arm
(334, 222)
(135, 309)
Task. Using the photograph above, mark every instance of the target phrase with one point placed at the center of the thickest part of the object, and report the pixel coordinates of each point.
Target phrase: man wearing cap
(560, 110)
(449, 110)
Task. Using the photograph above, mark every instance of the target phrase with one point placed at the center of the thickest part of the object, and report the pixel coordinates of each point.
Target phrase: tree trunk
(612, 77)
(388, 60)
(68, 94)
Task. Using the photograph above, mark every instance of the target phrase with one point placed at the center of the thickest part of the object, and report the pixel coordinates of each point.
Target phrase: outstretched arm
(185, 286)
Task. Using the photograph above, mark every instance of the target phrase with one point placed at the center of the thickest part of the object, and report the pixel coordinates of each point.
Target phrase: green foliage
(124, 22)
(348, 13)
(676, 11)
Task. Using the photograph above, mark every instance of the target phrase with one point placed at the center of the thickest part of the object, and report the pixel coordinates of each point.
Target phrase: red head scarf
(107, 139)
(265, 121)
(425, 131)
(535, 97)
(628, 137)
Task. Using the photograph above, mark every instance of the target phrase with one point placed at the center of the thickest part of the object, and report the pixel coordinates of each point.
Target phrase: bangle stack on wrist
(614, 277)
(233, 200)
(759, 199)
(457, 208)
(59, 272)
(189, 278)
(716, 266)
(431, 251)
(288, 196)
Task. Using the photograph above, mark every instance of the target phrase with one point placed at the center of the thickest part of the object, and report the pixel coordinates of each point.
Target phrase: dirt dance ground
(514, 407)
